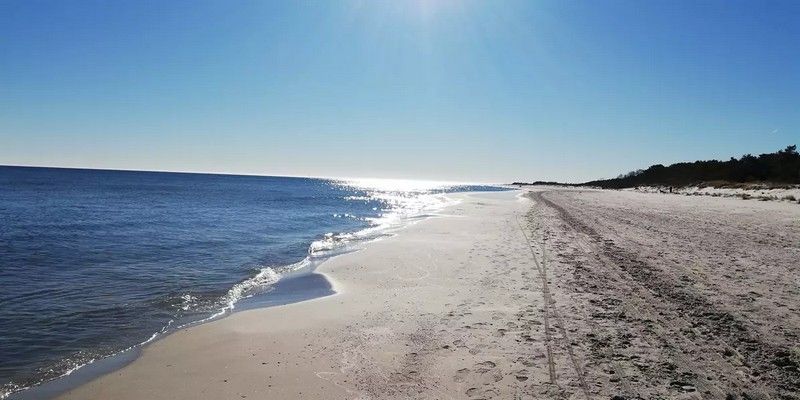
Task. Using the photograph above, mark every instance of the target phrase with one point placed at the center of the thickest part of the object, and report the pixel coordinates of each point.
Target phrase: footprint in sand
(484, 367)
(488, 393)
(526, 362)
(521, 375)
(461, 375)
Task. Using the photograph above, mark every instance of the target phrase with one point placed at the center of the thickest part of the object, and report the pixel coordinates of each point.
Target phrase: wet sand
(557, 294)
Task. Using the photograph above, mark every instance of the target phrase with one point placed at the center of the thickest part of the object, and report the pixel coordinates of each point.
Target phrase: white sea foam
(188, 301)
(266, 277)
(404, 204)
(402, 208)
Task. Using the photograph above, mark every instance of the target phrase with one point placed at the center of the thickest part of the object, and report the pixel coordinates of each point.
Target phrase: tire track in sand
(546, 295)
(687, 304)
(550, 304)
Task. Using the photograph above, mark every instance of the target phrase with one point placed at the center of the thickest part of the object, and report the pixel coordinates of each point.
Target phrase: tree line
(781, 167)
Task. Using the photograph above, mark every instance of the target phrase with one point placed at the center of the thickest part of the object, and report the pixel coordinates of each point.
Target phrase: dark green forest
(781, 167)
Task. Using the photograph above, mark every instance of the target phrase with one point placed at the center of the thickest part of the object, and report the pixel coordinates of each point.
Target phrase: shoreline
(233, 330)
(283, 292)
(97, 368)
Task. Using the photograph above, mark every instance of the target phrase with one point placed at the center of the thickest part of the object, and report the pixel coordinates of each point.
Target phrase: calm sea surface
(94, 262)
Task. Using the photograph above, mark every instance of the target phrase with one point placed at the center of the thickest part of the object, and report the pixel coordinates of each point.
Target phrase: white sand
(420, 312)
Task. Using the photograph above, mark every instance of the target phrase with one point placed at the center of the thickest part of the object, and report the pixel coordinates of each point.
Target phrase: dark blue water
(93, 262)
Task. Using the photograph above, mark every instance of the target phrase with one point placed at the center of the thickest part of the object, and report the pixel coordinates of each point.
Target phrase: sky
(472, 91)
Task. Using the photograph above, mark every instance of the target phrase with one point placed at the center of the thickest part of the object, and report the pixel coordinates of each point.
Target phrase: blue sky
(430, 89)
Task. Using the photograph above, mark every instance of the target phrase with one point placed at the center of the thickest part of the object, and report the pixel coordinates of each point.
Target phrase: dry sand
(558, 294)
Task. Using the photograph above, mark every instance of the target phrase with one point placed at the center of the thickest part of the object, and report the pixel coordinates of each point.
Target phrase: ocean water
(96, 262)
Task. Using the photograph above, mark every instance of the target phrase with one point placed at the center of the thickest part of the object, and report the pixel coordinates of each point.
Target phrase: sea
(98, 263)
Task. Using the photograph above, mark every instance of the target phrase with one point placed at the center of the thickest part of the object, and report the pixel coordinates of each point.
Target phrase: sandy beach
(416, 199)
(542, 294)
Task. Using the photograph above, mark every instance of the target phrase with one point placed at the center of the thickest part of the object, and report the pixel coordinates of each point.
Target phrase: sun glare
(428, 9)
(397, 185)
(418, 10)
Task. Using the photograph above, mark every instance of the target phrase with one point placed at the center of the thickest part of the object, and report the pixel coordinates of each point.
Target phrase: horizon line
(161, 171)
